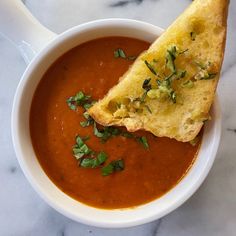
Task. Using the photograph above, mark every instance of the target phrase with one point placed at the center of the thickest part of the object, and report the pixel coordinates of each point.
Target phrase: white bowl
(34, 172)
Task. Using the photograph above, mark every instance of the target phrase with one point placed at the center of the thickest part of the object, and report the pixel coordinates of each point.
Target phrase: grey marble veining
(212, 209)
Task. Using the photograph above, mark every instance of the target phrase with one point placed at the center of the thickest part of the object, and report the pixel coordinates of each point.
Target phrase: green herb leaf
(77, 100)
(114, 166)
(142, 99)
(188, 84)
(107, 170)
(180, 74)
(84, 123)
(119, 53)
(193, 36)
(208, 76)
(127, 134)
(89, 120)
(146, 84)
(118, 165)
(131, 58)
(150, 67)
(97, 132)
(165, 87)
(143, 141)
(80, 148)
(173, 96)
(94, 162)
(201, 65)
(148, 108)
(170, 58)
(87, 106)
(106, 132)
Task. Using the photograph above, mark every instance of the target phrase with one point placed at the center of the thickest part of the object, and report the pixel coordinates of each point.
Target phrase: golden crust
(182, 120)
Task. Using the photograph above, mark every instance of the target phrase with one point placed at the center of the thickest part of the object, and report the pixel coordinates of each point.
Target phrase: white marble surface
(212, 209)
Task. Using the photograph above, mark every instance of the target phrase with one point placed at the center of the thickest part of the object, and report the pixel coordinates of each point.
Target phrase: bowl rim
(29, 174)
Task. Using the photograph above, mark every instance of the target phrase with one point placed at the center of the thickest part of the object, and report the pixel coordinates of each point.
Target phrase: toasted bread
(170, 88)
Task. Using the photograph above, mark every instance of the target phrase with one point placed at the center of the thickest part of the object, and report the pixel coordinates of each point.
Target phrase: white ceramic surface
(23, 213)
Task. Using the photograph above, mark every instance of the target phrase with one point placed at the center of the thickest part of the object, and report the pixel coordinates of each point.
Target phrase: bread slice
(170, 88)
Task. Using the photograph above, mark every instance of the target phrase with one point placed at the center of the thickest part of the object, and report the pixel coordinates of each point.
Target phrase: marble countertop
(212, 209)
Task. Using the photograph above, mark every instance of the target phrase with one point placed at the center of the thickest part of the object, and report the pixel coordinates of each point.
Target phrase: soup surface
(149, 171)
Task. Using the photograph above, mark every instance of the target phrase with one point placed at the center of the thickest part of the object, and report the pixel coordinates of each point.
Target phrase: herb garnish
(208, 76)
(94, 162)
(89, 159)
(150, 67)
(80, 148)
(113, 166)
(146, 84)
(143, 141)
(119, 53)
(173, 96)
(86, 157)
(79, 99)
(165, 84)
(203, 73)
(188, 84)
(148, 108)
(82, 100)
(193, 36)
(107, 132)
(170, 58)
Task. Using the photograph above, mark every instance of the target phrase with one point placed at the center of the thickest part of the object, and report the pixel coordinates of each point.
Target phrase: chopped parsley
(80, 149)
(89, 120)
(94, 162)
(79, 99)
(173, 96)
(181, 74)
(150, 67)
(193, 35)
(164, 85)
(146, 84)
(203, 73)
(143, 141)
(113, 166)
(148, 108)
(201, 65)
(107, 132)
(208, 76)
(188, 84)
(171, 55)
(119, 53)
(86, 157)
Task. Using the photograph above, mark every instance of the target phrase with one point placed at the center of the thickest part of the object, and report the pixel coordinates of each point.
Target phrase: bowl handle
(18, 25)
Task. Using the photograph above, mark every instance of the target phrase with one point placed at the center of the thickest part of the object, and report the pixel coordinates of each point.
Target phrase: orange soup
(133, 169)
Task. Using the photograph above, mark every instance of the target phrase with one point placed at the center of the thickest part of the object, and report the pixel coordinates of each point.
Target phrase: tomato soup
(148, 171)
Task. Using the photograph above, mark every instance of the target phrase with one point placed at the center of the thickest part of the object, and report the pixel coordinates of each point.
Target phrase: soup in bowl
(97, 175)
